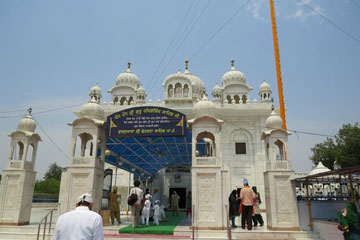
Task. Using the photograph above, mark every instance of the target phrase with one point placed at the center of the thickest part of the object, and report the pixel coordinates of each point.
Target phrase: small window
(240, 148)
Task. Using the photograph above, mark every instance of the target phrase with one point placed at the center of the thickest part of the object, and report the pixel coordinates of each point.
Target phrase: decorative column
(85, 170)
(280, 195)
(210, 182)
(18, 179)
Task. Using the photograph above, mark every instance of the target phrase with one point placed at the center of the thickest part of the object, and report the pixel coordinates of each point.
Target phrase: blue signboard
(146, 122)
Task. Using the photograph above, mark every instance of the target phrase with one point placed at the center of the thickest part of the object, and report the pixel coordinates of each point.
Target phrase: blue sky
(53, 52)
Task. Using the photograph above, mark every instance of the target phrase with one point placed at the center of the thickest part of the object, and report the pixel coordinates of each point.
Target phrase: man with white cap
(81, 223)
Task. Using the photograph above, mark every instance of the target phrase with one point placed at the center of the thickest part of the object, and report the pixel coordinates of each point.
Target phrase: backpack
(132, 199)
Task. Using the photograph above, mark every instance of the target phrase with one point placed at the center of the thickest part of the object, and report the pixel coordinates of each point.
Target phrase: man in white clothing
(81, 223)
(135, 208)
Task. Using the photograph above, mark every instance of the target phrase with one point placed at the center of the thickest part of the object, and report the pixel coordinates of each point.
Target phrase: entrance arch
(147, 139)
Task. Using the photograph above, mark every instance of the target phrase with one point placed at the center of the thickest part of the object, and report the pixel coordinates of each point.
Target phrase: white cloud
(259, 9)
(302, 12)
(255, 7)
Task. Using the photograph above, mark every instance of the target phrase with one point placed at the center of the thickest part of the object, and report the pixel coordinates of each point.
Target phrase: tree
(51, 182)
(345, 150)
(53, 172)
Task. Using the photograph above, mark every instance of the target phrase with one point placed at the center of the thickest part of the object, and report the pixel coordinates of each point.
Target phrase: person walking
(233, 208)
(146, 210)
(175, 203)
(247, 196)
(257, 218)
(81, 223)
(157, 212)
(114, 206)
(349, 222)
(135, 208)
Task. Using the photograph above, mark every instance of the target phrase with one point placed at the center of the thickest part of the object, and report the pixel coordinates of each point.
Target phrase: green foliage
(345, 150)
(53, 172)
(51, 186)
(51, 181)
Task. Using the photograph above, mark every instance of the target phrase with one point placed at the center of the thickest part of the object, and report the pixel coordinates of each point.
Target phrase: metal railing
(45, 223)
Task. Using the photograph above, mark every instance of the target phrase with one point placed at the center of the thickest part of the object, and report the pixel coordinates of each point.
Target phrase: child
(162, 213)
(156, 212)
(146, 210)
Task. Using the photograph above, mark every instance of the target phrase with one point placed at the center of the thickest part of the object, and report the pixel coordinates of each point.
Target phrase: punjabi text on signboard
(146, 121)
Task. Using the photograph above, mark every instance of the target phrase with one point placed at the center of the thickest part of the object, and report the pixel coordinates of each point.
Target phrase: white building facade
(243, 139)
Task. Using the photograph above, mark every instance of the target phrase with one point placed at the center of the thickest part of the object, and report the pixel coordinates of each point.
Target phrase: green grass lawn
(164, 228)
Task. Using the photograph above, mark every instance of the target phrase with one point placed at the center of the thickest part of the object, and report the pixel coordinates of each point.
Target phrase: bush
(50, 185)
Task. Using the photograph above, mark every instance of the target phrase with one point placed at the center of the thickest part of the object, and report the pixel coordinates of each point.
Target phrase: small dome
(233, 76)
(216, 89)
(265, 87)
(96, 89)
(27, 123)
(92, 110)
(274, 121)
(197, 85)
(320, 168)
(204, 108)
(140, 90)
(128, 78)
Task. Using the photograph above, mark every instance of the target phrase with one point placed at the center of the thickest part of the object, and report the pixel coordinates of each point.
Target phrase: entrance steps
(29, 232)
(255, 234)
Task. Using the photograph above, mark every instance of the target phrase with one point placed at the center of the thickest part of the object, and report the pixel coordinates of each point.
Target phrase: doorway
(182, 194)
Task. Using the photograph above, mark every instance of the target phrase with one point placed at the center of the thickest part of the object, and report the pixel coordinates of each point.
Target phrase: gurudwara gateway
(186, 142)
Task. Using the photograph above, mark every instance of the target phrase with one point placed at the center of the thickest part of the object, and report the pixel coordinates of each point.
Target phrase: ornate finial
(186, 64)
(129, 64)
(272, 107)
(204, 92)
(232, 62)
(29, 110)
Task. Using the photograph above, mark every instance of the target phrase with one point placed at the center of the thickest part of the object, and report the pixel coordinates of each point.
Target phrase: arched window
(19, 152)
(122, 101)
(279, 150)
(244, 98)
(170, 91)
(83, 145)
(178, 90)
(116, 99)
(29, 155)
(228, 98)
(186, 90)
(130, 100)
(205, 144)
(236, 99)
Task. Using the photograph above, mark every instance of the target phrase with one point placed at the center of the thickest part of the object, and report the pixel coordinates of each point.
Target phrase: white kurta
(79, 224)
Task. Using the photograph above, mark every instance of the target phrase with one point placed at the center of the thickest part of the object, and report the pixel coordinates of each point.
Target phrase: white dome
(274, 121)
(128, 78)
(197, 84)
(216, 89)
(265, 87)
(96, 89)
(140, 90)
(204, 108)
(320, 168)
(233, 76)
(92, 110)
(27, 124)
